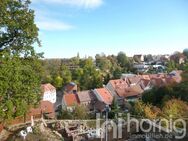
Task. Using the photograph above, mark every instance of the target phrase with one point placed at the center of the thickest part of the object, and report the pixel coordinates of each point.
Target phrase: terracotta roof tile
(134, 90)
(47, 87)
(134, 79)
(44, 107)
(105, 95)
(70, 99)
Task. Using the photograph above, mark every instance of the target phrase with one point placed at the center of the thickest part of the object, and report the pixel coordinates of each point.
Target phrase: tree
(158, 96)
(180, 91)
(80, 112)
(117, 72)
(58, 81)
(19, 86)
(114, 109)
(66, 74)
(103, 63)
(185, 52)
(139, 109)
(91, 77)
(64, 114)
(47, 79)
(20, 69)
(175, 108)
(123, 60)
(151, 112)
(171, 66)
(146, 110)
(51, 67)
(148, 58)
(18, 30)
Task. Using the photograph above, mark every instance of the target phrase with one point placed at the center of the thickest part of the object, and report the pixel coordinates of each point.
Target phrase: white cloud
(78, 3)
(53, 25)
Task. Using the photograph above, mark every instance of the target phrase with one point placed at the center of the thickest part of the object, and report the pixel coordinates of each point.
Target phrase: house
(49, 93)
(104, 97)
(178, 58)
(87, 98)
(128, 88)
(125, 75)
(138, 58)
(45, 108)
(157, 58)
(175, 76)
(141, 67)
(165, 58)
(145, 84)
(157, 82)
(130, 93)
(69, 101)
(70, 88)
(133, 80)
(112, 86)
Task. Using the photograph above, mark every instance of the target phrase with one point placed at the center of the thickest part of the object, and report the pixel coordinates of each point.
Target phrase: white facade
(50, 96)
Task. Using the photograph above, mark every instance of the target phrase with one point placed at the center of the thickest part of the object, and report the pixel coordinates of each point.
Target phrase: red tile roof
(105, 95)
(145, 77)
(131, 91)
(118, 82)
(70, 99)
(44, 107)
(134, 79)
(1, 127)
(47, 107)
(47, 87)
(158, 82)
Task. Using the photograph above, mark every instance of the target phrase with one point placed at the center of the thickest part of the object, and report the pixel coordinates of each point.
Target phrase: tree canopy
(18, 32)
(20, 69)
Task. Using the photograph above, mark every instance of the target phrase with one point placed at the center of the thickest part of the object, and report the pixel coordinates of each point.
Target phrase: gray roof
(86, 96)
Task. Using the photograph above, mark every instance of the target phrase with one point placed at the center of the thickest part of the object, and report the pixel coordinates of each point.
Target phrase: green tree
(158, 96)
(138, 109)
(91, 78)
(180, 91)
(51, 67)
(47, 79)
(18, 31)
(171, 66)
(77, 74)
(19, 85)
(146, 110)
(20, 69)
(123, 61)
(103, 63)
(185, 52)
(114, 109)
(58, 81)
(80, 112)
(64, 114)
(175, 108)
(66, 74)
(117, 72)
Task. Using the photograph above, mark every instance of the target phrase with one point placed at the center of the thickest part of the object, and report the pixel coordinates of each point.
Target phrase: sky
(90, 27)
